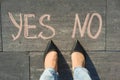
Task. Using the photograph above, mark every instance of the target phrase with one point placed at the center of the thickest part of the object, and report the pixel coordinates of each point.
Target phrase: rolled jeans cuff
(81, 73)
(49, 74)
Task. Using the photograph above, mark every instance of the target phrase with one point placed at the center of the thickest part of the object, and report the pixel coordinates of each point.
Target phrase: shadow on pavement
(91, 68)
(63, 69)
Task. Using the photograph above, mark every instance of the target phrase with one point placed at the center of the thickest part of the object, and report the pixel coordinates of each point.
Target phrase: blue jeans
(80, 73)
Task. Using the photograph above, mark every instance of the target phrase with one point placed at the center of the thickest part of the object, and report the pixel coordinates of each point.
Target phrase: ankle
(51, 60)
(78, 60)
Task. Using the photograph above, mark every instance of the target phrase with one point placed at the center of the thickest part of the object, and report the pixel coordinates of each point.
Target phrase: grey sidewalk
(21, 58)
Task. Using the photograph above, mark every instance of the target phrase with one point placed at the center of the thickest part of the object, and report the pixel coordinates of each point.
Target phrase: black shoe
(51, 47)
(78, 48)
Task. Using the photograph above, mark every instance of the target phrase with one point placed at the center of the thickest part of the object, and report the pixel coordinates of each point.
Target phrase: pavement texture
(26, 26)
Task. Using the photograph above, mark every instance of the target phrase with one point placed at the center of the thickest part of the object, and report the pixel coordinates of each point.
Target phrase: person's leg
(50, 72)
(81, 73)
(78, 66)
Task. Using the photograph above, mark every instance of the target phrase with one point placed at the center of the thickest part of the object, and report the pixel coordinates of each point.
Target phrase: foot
(78, 60)
(51, 60)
